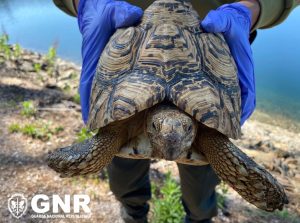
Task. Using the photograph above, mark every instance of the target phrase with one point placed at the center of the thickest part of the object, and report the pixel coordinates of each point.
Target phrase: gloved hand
(234, 21)
(98, 20)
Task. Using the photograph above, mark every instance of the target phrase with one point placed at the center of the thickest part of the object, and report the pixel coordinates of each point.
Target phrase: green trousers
(129, 181)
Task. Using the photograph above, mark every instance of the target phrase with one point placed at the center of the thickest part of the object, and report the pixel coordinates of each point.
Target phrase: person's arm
(271, 12)
(254, 7)
(68, 6)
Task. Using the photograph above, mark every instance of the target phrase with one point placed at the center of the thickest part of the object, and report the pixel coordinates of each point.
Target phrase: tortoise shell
(167, 57)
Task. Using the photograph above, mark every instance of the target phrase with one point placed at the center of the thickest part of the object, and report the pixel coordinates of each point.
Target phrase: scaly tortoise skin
(177, 85)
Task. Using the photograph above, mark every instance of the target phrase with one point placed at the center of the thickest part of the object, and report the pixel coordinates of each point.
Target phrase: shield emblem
(17, 205)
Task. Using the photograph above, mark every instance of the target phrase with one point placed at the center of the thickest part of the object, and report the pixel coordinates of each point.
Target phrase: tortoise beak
(172, 146)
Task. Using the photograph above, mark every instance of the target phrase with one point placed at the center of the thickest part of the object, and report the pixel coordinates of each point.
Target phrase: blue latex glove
(98, 20)
(234, 21)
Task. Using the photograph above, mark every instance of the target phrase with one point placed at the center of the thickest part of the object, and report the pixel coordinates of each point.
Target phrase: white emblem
(17, 205)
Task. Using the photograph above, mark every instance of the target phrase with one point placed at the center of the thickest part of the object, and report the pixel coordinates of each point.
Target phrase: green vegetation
(4, 46)
(28, 109)
(284, 216)
(50, 59)
(283, 213)
(7, 49)
(14, 128)
(17, 50)
(37, 67)
(51, 55)
(167, 207)
(67, 88)
(73, 75)
(76, 98)
(221, 195)
(84, 134)
(40, 131)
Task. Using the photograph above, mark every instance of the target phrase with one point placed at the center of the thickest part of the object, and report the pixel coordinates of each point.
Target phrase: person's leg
(198, 192)
(129, 181)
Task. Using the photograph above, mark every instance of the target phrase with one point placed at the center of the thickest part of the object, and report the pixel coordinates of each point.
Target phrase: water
(38, 24)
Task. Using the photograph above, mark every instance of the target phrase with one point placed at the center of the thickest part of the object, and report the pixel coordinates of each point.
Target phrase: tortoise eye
(156, 126)
(153, 125)
(189, 128)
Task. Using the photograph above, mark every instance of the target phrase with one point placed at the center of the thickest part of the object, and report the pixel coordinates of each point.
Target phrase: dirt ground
(22, 157)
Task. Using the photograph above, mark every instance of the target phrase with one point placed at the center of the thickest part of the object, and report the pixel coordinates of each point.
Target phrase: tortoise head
(171, 131)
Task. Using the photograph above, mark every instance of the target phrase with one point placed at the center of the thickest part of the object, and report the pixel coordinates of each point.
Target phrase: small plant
(221, 196)
(283, 213)
(67, 88)
(167, 205)
(17, 50)
(50, 59)
(73, 75)
(42, 132)
(51, 55)
(30, 130)
(3, 41)
(58, 129)
(83, 135)
(76, 98)
(37, 67)
(28, 109)
(14, 128)
(4, 46)
(38, 130)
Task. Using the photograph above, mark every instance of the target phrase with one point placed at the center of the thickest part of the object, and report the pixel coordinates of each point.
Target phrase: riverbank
(39, 110)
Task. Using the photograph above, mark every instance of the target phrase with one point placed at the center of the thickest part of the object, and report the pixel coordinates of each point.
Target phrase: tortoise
(170, 81)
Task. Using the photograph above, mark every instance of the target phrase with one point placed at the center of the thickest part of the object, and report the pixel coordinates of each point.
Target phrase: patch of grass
(51, 55)
(9, 104)
(167, 205)
(3, 40)
(58, 129)
(50, 59)
(286, 215)
(76, 98)
(84, 134)
(37, 67)
(14, 128)
(17, 50)
(28, 109)
(283, 213)
(41, 131)
(221, 195)
(4, 46)
(30, 130)
(283, 216)
(73, 75)
(67, 88)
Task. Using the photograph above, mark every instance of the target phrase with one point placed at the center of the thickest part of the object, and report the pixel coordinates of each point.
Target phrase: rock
(26, 66)
(263, 145)
(283, 154)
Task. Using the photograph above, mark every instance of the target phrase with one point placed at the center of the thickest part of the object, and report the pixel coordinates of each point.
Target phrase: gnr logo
(40, 204)
(55, 206)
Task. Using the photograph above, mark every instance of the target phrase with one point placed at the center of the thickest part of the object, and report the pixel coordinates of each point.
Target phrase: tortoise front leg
(251, 181)
(91, 155)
